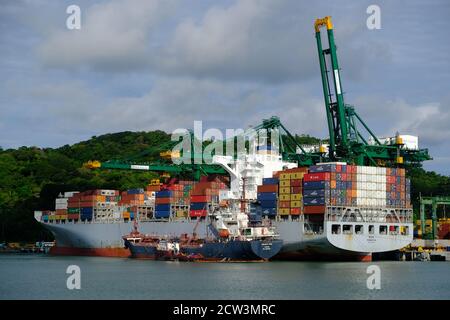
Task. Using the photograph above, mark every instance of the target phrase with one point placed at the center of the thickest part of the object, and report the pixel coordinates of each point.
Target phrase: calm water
(44, 277)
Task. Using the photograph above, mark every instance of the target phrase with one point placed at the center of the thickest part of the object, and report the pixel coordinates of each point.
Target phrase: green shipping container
(73, 210)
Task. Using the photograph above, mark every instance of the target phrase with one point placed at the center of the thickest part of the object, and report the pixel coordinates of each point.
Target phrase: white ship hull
(105, 238)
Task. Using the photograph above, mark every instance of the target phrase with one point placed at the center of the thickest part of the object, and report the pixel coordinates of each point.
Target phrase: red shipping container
(338, 168)
(296, 211)
(314, 209)
(200, 198)
(73, 216)
(86, 204)
(296, 182)
(153, 188)
(163, 200)
(268, 188)
(198, 213)
(318, 176)
(344, 176)
(296, 190)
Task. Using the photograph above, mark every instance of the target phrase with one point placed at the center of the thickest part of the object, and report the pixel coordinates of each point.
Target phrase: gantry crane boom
(346, 141)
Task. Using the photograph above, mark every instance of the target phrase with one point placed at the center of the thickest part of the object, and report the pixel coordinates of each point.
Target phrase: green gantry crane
(287, 144)
(346, 142)
(434, 202)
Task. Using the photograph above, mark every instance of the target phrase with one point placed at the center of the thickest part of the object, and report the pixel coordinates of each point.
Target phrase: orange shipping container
(284, 204)
(153, 188)
(268, 188)
(333, 184)
(163, 200)
(296, 211)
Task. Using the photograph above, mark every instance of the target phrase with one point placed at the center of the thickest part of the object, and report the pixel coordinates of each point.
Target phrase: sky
(163, 64)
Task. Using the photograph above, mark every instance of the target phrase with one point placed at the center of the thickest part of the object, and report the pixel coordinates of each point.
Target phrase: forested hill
(31, 177)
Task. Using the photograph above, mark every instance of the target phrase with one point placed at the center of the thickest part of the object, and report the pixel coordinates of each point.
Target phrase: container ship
(340, 201)
(331, 211)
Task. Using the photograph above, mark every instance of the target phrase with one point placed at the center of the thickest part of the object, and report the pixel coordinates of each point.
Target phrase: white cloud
(114, 36)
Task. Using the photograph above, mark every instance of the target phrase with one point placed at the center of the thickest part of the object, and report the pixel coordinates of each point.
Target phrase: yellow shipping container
(285, 176)
(52, 217)
(101, 198)
(296, 204)
(296, 196)
(285, 183)
(181, 213)
(285, 190)
(57, 217)
(64, 217)
(285, 197)
(284, 211)
(126, 215)
(297, 175)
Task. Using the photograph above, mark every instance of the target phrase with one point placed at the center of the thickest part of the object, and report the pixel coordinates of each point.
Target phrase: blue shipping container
(269, 211)
(135, 191)
(163, 194)
(86, 216)
(162, 214)
(162, 207)
(86, 210)
(268, 203)
(311, 193)
(267, 196)
(198, 205)
(316, 185)
(270, 181)
(314, 201)
(255, 217)
(323, 168)
(255, 210)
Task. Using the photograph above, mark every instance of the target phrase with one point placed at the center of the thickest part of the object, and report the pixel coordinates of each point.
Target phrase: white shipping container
(370, 194)
(69, 194)
(59, 206)
(61, 200)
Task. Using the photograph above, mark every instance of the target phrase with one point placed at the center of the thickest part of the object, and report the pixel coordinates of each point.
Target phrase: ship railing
(368, 214)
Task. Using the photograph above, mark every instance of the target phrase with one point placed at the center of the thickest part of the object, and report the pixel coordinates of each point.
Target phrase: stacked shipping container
(83, 205)
(290, 200)
(203, 195)
(267, 195)
(338, 184)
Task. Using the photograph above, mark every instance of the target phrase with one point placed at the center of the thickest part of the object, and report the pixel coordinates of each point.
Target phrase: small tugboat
(141, 246)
